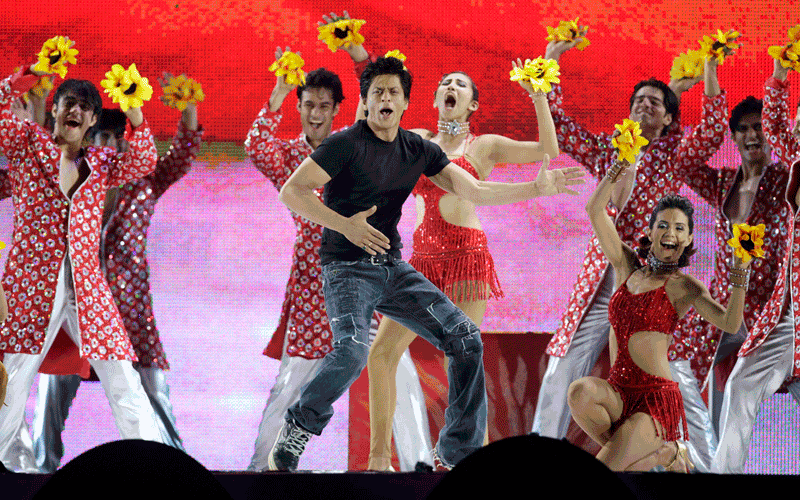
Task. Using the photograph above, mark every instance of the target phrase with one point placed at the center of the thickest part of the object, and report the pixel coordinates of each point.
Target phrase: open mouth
(386, 112)
(72, 123)
(450, 101)
(315, 126)
(753, 146)
(669, 246)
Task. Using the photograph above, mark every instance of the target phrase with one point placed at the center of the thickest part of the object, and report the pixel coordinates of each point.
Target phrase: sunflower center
(341, 33)
(131, 90)
(55, 56)
(747, 244)
(718, 45)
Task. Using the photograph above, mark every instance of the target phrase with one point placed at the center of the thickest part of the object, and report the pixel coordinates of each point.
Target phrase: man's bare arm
(298, 194)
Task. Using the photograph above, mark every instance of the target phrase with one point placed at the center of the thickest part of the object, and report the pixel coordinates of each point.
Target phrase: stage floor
(405, 486)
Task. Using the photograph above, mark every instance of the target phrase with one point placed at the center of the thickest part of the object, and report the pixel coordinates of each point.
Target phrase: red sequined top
(447, 254)
(631, 313)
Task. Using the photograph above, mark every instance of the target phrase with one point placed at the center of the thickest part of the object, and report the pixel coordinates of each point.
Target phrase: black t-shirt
(367, 171)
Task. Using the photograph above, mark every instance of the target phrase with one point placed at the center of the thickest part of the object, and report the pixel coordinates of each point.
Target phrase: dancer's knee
(385, 354)
(581, 394)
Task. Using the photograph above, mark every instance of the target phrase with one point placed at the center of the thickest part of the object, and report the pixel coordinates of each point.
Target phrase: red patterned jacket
(45, 222)
(768, 274)
(303, 313)
(654, 179)
(775, 120)
(125, 245)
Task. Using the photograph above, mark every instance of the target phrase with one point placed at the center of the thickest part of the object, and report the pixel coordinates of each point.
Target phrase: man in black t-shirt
(368, 172)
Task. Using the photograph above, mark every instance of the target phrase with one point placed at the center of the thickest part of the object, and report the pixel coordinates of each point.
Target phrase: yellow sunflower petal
(343, 32)
(794, 33)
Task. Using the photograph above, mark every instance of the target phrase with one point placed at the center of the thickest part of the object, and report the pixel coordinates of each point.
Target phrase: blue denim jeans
(353, 290)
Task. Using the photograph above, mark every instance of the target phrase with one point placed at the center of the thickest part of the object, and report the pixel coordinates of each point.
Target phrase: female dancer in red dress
(450, 247)
(637, 414)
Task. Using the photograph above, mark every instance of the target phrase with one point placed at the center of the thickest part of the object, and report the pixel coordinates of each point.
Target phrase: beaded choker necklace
(453, 127)
(659, 265)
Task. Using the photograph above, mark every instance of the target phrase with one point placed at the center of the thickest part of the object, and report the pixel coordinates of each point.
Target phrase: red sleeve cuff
(777, 84)
(23, 80)
(360, 66)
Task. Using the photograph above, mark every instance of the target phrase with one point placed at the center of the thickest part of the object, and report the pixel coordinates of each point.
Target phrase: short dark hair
(670, 201)
(749, 106)
(385, 66)
(110, 119)
(670, 99)
(321, 78)
(83, 89)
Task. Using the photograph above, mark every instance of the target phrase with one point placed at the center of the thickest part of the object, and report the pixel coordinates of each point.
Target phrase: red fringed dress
(447, 254)
(640, 391)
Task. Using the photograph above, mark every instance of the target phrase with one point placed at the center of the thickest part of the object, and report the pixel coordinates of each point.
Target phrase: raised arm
(616, 251)
(141, 159)
(184, 148)
(12, 129)
(456, 180)
(505, 150)
(690, 162)
(728, 319)
(357, 52)
(593, 151)
(261, 145)
(775, 117)
(298, 194)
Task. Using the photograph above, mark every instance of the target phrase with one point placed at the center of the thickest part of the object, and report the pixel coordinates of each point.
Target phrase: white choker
(453, 127)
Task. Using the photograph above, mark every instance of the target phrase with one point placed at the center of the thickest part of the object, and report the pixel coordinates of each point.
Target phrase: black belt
(379, 259)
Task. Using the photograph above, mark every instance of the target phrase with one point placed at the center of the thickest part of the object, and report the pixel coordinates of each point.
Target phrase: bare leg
(384, 357)
(672, 455)
(595, 405)
(635, 439)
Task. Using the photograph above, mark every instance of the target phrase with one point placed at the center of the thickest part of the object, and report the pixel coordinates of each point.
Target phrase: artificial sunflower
(629, 141)
(341, 33)
(290, 65)
(540, 72)
(687, 65)
(720, 45)
(567, 31)
(127, 87)
(397, 55)
(182, 90)
(55, 54)
(794, 34)
(748, 241)
(789, 55)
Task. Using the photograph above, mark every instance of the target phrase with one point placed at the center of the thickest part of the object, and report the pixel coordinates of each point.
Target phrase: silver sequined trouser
(754, 378)
(702, 438)
(552, 416)
(55, 396)
(132, 411)
(410, 424)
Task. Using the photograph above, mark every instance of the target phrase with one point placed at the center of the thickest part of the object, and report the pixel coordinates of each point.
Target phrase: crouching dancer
(368, 172)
